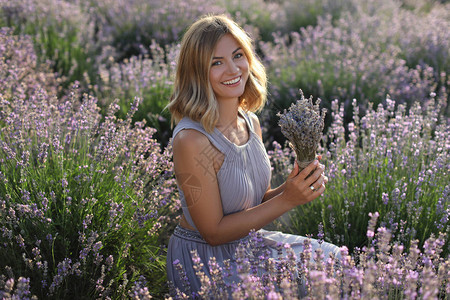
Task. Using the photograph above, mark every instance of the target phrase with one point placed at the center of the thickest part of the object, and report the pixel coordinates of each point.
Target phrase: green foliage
(82, 201)
(300, 13)
(62, 34)
(392, 163)
(264, 16)
(148, 77)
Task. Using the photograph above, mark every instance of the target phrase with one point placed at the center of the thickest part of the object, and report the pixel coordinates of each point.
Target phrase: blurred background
(340, 49)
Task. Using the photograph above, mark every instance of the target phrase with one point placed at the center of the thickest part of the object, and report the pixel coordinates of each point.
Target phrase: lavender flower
(372, 224)
(70, 200)
(20, 76)
(21, 291)
(139, 291)
(218, 287)
(204, 279)
(302, 125)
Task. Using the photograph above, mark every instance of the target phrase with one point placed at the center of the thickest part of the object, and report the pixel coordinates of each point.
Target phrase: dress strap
(248, 120)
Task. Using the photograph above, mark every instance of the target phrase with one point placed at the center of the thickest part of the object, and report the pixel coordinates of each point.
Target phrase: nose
(233, 67)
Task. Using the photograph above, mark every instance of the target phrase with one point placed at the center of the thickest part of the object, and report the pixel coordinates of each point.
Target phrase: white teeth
(233, 81)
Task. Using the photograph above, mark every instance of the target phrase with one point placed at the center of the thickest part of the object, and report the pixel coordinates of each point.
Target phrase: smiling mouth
(232, 81)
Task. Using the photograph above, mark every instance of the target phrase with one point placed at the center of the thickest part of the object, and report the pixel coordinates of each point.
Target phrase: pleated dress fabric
(243, 180)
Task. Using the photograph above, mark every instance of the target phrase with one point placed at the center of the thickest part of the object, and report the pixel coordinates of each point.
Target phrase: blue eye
(238, 55)
(217, 63)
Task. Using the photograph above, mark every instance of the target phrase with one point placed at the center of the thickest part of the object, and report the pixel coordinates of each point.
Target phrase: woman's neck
(228, 114)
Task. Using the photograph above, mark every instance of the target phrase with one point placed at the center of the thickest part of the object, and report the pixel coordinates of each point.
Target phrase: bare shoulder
(190, 140)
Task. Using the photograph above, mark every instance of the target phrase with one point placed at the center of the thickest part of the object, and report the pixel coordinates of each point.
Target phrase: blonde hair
(193, 95)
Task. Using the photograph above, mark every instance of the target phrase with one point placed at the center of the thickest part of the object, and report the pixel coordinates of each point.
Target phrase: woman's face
(229, 69)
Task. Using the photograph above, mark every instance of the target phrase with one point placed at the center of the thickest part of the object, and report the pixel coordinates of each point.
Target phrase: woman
(222, 168)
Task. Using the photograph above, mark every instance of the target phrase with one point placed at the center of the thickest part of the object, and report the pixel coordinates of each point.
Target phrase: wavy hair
(193, 95)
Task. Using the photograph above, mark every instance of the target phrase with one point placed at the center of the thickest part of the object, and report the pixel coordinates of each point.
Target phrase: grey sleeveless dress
(243, 180)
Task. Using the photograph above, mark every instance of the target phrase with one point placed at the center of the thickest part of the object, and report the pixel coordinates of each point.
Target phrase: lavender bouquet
(302, 125)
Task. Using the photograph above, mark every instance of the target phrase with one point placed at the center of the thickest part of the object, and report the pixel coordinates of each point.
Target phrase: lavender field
(88, 197)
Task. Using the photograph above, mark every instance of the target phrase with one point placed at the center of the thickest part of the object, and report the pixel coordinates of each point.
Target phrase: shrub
(393, 162)
(62, 33)
(265, 16)
(424, 41)
(147, 77)
(300, 13)
(380, 270)
(358, 56)
(133, 24)
(269, 17)
(20, 73)
(84, 203)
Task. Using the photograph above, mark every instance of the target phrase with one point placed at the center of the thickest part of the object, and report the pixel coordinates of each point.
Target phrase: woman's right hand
(298, 185)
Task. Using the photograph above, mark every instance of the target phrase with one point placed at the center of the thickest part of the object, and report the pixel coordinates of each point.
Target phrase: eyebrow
(237, 49)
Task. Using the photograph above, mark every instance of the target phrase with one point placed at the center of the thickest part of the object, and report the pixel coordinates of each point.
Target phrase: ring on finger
(312, 188)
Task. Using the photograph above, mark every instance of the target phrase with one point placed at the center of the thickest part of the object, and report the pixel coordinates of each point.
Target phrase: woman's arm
(273, 192)
(199, 185)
